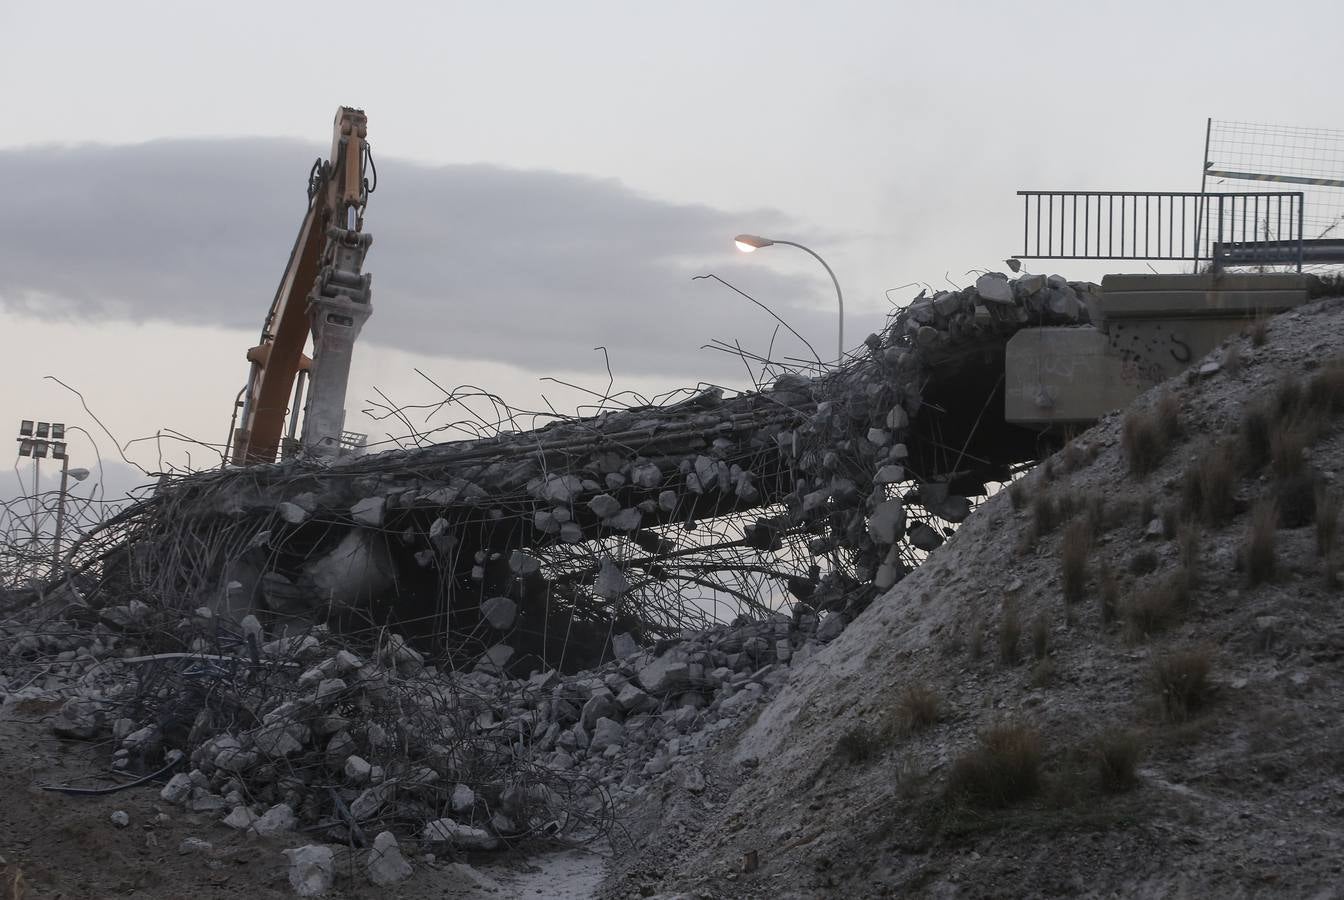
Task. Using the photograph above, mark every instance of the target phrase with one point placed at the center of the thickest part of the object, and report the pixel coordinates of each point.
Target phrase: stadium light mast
(37, 439)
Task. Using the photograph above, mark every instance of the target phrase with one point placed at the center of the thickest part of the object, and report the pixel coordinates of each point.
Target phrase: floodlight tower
(35, 440)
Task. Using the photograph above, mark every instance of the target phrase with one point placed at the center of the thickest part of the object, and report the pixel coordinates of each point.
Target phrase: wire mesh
(1309, 159)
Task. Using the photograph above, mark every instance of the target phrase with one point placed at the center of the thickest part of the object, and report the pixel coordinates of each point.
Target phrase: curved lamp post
(66, 474)
(749, 243)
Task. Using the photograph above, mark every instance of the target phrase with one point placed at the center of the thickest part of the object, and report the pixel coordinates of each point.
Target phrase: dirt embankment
(1135, 660)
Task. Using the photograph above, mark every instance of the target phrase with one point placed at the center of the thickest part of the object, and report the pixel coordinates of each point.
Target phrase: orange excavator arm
(322, 292)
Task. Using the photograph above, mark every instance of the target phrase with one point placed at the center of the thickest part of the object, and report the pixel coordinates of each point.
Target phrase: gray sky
(553, 174)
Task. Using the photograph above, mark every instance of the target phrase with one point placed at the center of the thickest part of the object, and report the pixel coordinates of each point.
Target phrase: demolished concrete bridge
(535, 549)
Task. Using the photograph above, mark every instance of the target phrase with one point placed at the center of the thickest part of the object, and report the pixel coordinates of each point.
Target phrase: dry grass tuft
(1209, 485)
(1003, 769)
(1325, 391)
(1110, 594)
(1043, 672)
(1287, 445)
(1116, 753)
(1072, 457)
(1143, 562)
(1257, 552)
(1040, 637)
(1168, 413)
(1159, 604)
(1259, 331)
(1289, 399)
(1327, 519)
(1144, 441)
(1017, 494)
(1068, 504)
(1073, 552)
(1044, 514)
(1171, 520)
(1045, 517)
(975, 643)
(859, 744)
(1097, 519)
(1010, 634)
(14, 885)
(917, 708)
(1181, 681)
(1188, 545)
(1295, 497)
(1254, 437)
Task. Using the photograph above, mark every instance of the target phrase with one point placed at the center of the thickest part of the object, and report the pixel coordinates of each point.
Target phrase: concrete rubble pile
(304, 734)
(832, 487)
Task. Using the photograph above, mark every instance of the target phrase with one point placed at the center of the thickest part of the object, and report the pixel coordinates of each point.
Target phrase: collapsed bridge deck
(540, 546)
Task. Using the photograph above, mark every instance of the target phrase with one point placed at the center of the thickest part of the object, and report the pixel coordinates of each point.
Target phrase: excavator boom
(323, 292)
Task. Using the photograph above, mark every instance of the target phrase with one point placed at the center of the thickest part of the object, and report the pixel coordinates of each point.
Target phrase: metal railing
(1242, 229)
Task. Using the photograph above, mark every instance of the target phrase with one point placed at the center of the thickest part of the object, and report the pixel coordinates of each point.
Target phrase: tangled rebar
(413, 610)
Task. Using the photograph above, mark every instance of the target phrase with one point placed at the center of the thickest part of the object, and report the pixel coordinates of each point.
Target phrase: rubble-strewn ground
(786, 758)
(319, 739)
(1245, 797)
(67, 847)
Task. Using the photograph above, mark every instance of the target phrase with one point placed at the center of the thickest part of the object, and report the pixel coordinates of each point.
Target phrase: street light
(750, 243)
(66, 474)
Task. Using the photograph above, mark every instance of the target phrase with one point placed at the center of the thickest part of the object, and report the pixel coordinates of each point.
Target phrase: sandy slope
(1245, 799)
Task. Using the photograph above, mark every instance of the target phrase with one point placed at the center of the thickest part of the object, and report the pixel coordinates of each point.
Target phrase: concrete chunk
(386, 865)
(604, 505)
(627, 519)
(177, 789)
(292, 513)
(241, 818)
(276, 820)
(994, 288)
(463, 799)
(606, 733)
(369, 511)
(611, 582)
(448, 831)
(499, 612)
(666, 673)
(312, 870)
(633, 700)
(623, 645)
(887, 523)
(601, 704)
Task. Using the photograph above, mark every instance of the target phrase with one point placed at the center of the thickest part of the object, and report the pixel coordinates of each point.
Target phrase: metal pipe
(1203, 184)
(37, 466)
(1300, 205)
(233, 424)
(839, 297)
(60, 518)
(299, 383)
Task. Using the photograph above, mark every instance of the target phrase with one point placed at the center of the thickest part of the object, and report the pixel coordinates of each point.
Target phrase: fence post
(1217, 247)
(1300, 204)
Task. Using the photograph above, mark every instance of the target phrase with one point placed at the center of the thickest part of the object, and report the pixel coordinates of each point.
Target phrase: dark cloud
(533, 268)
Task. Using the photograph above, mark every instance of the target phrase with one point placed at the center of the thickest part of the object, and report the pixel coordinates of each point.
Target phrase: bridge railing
(1242, 229)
